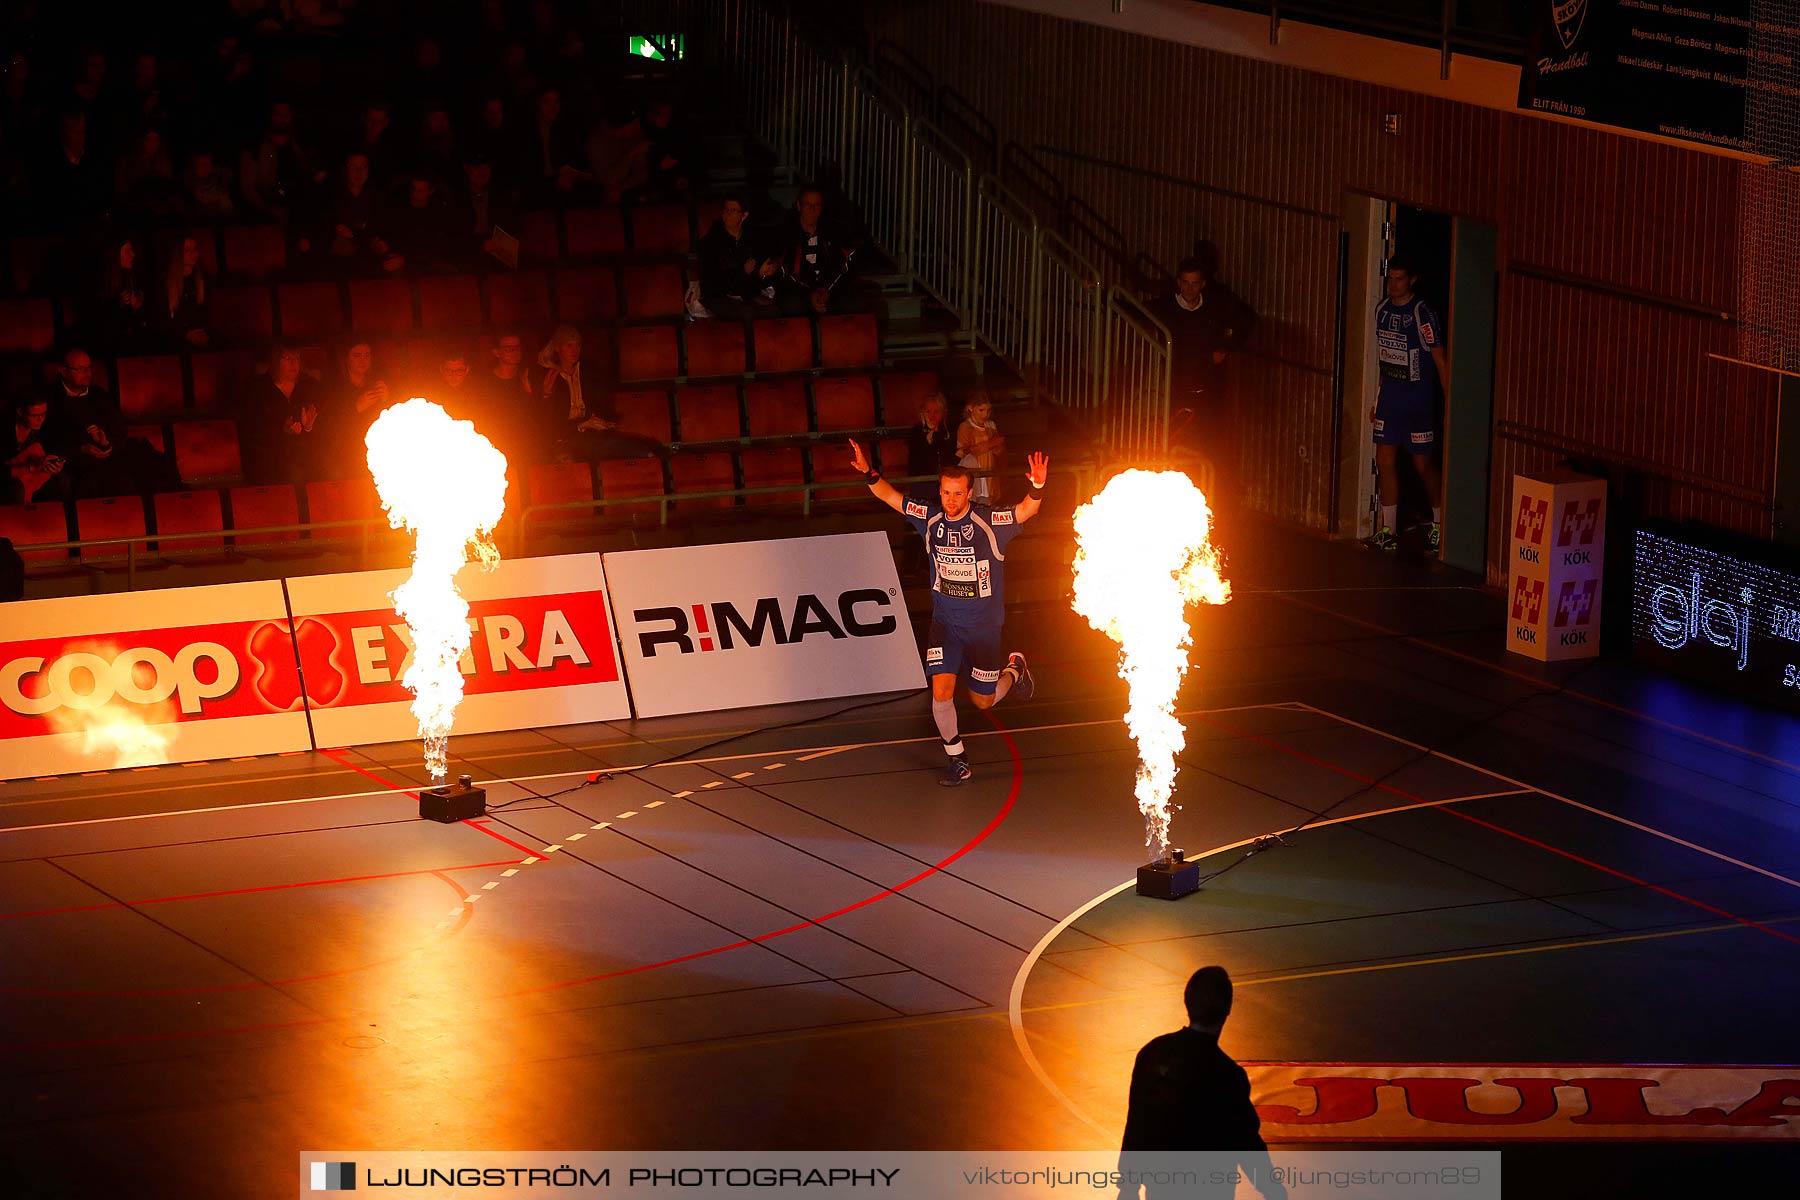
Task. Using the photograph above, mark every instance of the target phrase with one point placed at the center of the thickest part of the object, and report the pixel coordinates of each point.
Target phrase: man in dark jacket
(578, 419)
(814, 266)
(736, 281)
(105, 461)
(1187, 1095)
(1207, 324)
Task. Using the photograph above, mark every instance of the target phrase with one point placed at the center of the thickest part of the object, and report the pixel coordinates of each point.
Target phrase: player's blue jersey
(968, 559)
(1404, 337)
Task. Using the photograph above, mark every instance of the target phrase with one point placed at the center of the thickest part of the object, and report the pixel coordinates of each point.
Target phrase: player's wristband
(873, 477)
(1037, 489)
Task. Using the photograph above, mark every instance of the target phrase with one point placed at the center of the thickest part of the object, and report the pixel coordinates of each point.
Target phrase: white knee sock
(1389, 514)
(944, 713)
(1437, 515)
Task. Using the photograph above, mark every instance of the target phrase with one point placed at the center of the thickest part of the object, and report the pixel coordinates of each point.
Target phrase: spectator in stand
(494, 141)
(278, 172)
(187, 296)
(375, 143)
(1207, 323)
(206, 188)
(142, 106)
(579, 420)
(35, 463)
(22, 113)
(225, 95)
(735, 280)
(104, 460)
(618, 155)
(424, 235)
(479, 206)
(670, 157)
(930, 444)
(351, 217)
(553, 149)
(509, 397)
(144, 180)
(121, 315)
(286, 434)
(359, 396)
(73, 186)
(88, 95)
(814, 269)
(454, 391)
(980, 446)
(435, 155)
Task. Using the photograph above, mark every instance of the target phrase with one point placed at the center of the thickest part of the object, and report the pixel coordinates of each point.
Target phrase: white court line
(1599, 812)
(818, 752)
(1015, 1001)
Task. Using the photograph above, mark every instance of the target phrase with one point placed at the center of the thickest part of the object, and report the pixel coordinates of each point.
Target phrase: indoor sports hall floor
(771, 929)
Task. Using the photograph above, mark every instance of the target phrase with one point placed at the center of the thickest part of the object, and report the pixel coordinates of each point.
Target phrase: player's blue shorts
(950, 648)
(1406, 418)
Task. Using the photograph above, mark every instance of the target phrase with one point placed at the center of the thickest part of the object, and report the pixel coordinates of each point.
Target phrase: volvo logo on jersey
(711, 627)
(1711, 612)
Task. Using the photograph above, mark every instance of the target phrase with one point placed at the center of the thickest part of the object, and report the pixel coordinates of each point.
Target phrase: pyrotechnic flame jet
(445, 483)
(1141, 557)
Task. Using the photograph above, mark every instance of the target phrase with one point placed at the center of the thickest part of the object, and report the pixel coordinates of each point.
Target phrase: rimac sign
(730, 626)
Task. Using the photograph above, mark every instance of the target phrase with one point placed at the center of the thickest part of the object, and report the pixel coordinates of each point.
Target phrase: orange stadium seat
(704, 472)
(585, 294)
(188, 512)
(311, 309)
(554, 483)
(783, 344)
(773, 468)
(376, 306)
(221, 377)
(709, 414)
(903, 391)
(207, 452)
(243, 310)
(593, 232)
(660, 229)
(449, 302)
(851, 340)
(339, 500)
(27, 326)
(776, 407)
(29, 525)
(624, 478)
(108, 517)
(648, 352)
(831, 464)
(644, 412)
(539, 241)
(714, 348)
(892, 457)
(519, 300)
(653, 291)
(153, 434)
(150, 386)
(844, 402)
(261, 508)
(255, 251)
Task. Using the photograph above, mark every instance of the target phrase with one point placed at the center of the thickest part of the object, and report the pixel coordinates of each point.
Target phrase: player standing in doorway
(1412, 363)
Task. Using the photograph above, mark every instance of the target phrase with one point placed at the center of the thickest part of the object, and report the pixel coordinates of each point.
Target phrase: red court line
(482, 826)
(1530, 841)
(1012, 796)
(339, 757)
(270, 887)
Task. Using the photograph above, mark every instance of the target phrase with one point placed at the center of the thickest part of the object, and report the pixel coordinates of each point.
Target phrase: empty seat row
(192, 521)
(626, 483)
(150, 386)
(207, 451)
(260, 251)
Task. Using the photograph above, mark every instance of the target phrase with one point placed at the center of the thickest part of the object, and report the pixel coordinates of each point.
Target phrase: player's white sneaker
(956, 773)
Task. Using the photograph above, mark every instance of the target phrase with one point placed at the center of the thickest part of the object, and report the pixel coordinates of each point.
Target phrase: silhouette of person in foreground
(1188, 1095)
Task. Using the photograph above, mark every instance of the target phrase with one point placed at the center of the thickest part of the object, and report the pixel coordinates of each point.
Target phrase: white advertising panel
(90, 683)
(730, 626)
(542, 650)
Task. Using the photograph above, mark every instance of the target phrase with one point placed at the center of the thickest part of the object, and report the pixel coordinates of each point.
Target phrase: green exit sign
(662, 49)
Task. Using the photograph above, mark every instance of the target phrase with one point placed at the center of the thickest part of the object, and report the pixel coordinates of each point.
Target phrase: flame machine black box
(453, 802)
(1168, 878)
